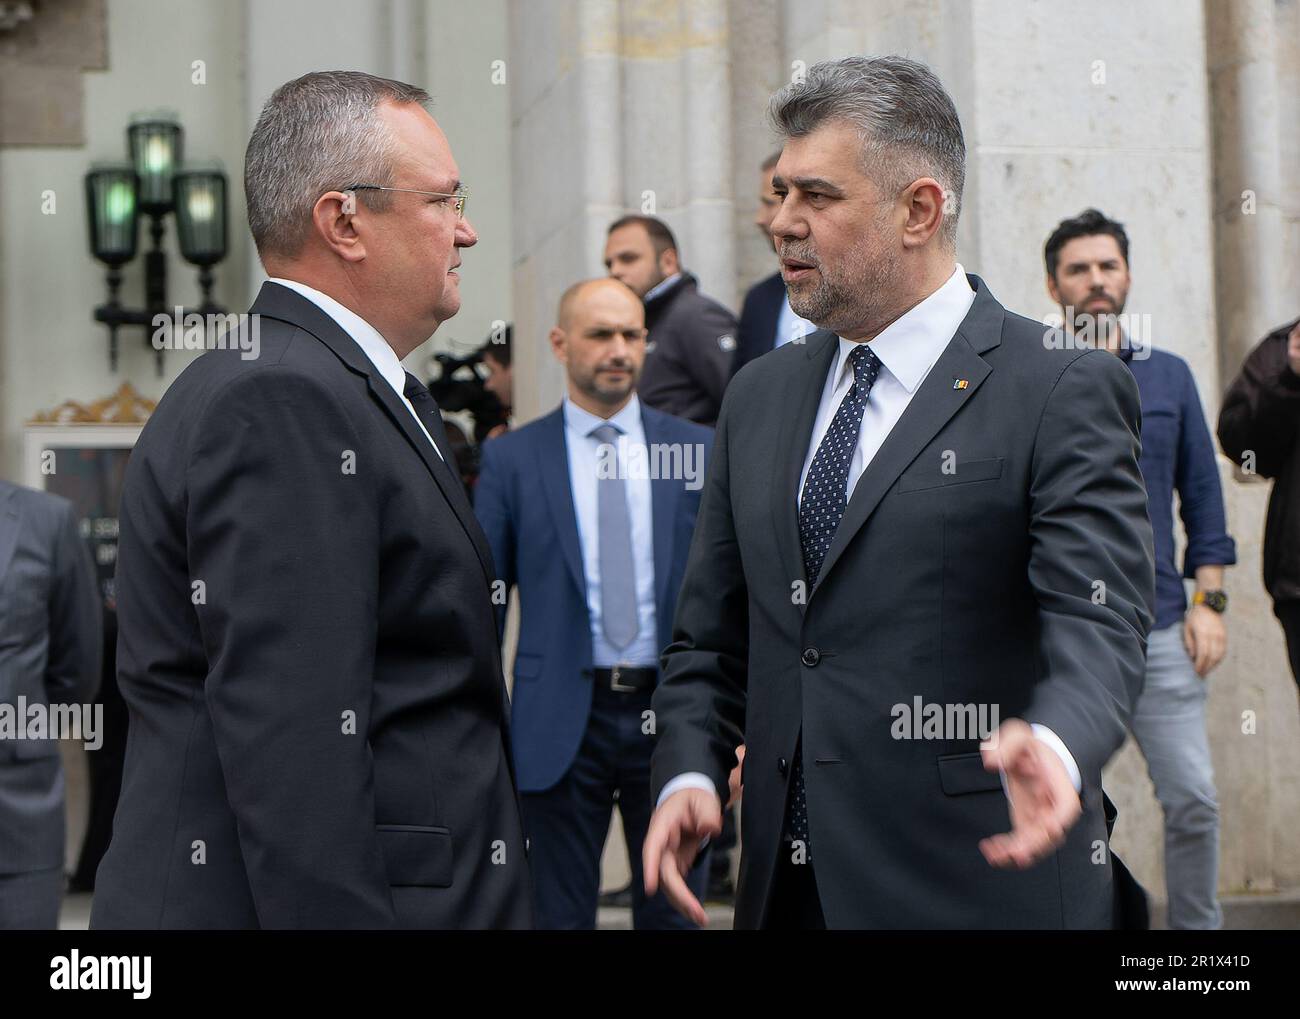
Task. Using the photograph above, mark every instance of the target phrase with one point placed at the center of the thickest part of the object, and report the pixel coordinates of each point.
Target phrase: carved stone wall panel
(41, 65)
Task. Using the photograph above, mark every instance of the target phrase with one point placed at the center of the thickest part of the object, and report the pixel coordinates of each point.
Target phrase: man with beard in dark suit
(318, 730)
(921, 582)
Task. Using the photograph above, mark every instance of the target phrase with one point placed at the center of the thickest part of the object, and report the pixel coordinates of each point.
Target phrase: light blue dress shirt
(584, 461)
(791, 327)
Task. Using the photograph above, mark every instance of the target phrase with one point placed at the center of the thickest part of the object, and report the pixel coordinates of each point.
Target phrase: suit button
(811, 656)
(782, 765)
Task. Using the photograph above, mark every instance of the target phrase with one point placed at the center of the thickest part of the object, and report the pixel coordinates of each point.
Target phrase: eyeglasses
(461, 194)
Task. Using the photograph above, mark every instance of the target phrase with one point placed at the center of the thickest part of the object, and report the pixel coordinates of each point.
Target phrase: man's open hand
(676, 830)
(1044, 804)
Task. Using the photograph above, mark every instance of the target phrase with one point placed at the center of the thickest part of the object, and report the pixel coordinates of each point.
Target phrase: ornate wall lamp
(155, 182)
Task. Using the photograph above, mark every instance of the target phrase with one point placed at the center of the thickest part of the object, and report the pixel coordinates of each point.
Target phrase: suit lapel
(275, 301)
(806, 392)
(447, 479)
(664, 495)
(931, 407)
(553, 461)
(10, 520)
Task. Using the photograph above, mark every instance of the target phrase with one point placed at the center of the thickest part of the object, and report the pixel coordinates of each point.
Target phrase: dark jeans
(567, 823)
(1288, 613)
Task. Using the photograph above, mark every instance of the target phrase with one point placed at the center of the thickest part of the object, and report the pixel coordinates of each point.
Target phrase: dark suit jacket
(688, 357)
(50, 653)
(973, 586)
(307, 645)
(525, 504)
(760, 316)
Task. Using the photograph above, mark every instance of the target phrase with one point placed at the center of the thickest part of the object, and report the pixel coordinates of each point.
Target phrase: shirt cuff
(687, 780)
(1045, 734)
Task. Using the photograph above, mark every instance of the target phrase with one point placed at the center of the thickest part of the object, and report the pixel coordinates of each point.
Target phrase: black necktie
(825, 497)
(426, 409)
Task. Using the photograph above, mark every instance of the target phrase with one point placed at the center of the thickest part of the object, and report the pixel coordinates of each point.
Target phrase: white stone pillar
(618, 106)
(1251, 50)
(292, 37)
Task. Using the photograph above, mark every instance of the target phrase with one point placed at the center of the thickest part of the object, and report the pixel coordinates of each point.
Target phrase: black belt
(625, 679)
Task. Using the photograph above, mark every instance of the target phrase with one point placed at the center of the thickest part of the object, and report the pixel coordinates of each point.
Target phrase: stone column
(1251, 50)
(292, 37)
(618, 106)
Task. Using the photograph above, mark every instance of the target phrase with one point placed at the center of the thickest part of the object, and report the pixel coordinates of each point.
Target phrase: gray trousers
(30, 901)
(1169, 726)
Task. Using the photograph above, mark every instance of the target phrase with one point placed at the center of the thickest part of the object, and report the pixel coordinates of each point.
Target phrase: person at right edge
(921, 501)
(1257, 428)
(1088, 276)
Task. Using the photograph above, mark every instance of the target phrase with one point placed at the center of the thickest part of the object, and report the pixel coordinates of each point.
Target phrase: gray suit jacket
(965, 571)
(50, 652)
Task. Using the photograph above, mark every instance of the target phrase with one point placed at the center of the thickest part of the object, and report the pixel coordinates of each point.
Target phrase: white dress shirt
(643, 652)
(368, 338)
(908, 348)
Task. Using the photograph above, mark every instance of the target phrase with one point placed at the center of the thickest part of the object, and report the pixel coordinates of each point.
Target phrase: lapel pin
(960, 383)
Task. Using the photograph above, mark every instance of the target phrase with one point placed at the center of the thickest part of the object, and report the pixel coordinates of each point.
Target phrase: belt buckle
(615, 685)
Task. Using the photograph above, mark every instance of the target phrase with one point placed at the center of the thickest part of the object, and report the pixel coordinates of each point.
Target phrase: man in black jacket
(307, 638)
(1258, 427)
(692, 337)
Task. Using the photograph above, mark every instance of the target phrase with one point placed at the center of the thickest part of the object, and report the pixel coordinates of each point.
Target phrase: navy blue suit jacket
(759, 317)
(524, 502)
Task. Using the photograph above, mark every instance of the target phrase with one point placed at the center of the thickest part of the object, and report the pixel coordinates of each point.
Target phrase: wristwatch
(1216, 600)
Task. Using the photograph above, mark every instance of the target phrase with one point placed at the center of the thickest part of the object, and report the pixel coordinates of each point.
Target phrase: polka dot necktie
(825, 496)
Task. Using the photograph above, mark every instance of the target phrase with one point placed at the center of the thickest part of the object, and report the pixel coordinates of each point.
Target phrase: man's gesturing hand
(1043, 802)
(677, 828)
(734, 787)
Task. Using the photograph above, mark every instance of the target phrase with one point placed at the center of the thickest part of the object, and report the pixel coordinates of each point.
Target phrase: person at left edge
(50, 649)
(597, 548)
(318, 719)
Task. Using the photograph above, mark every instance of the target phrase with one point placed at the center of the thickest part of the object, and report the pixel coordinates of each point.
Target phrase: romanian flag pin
(960, 383)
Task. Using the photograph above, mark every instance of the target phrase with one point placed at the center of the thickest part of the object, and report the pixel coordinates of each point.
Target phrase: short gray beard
(849, 301)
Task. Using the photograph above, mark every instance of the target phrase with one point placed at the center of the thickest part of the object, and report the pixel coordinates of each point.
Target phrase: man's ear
(925, 208)
(668, 263)
(333, 218)
(557, 345)
(1052, 291)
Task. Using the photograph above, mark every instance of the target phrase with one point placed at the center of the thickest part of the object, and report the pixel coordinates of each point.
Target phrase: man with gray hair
(924, 504)
(308, 646)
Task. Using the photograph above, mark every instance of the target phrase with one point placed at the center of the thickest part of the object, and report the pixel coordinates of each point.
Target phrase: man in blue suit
(590, 512)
